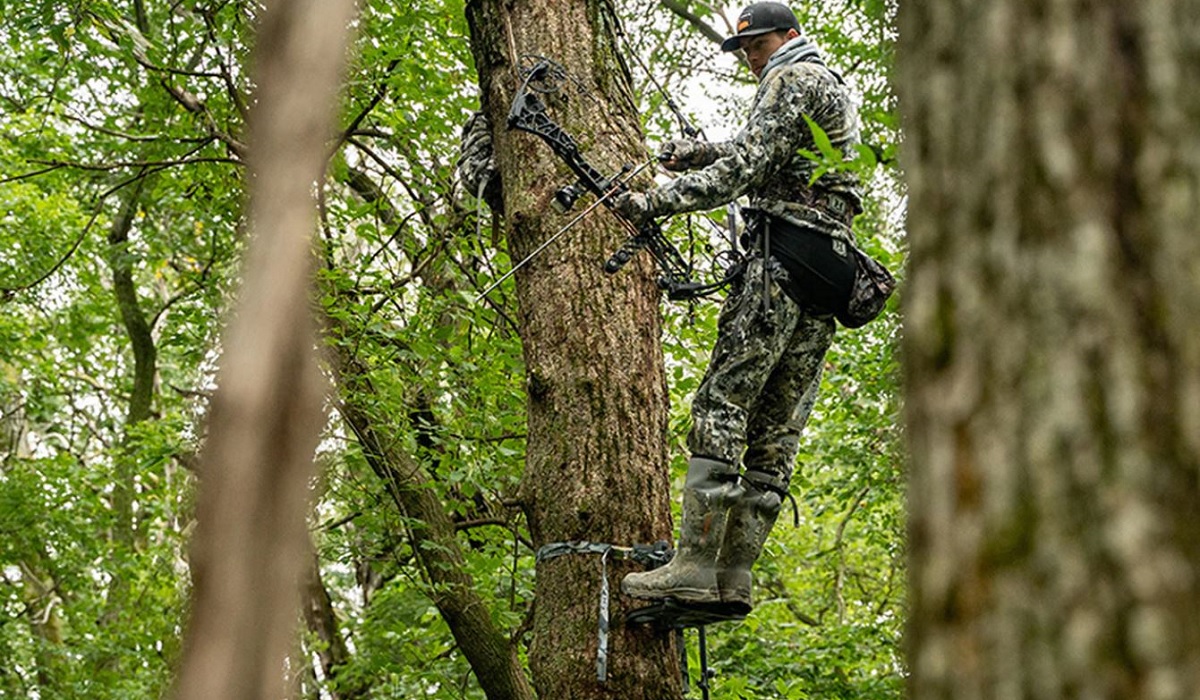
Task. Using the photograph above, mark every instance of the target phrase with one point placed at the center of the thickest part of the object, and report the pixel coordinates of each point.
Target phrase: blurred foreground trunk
(250, 544)
(1052, 347)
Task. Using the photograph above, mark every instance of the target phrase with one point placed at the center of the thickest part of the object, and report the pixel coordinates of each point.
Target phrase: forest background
(170, 365)
(122, 188)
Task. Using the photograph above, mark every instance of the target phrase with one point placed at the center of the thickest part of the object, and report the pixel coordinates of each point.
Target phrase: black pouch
(820, 269)
(827, 275)
(873, 284)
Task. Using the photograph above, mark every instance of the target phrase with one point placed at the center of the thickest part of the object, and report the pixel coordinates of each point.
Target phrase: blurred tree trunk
(597, 411)
(1052, 347)
(251, 542)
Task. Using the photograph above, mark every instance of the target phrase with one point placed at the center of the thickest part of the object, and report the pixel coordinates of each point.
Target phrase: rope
(649, 555)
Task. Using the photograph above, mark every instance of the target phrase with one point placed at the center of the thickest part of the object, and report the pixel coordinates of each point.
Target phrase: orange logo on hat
(743, 24)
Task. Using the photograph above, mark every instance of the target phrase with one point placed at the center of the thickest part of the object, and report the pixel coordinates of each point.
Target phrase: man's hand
(683, 154)
(633, 206)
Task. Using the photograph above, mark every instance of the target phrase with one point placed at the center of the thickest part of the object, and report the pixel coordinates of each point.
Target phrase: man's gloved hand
(634, 206)
(683, 154)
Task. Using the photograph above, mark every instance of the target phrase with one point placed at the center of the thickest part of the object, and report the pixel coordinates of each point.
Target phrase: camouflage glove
(684, 154)
(633, 206)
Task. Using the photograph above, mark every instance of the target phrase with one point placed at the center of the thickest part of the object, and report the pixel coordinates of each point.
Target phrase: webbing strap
(771, 481)
(651, 555)
(766, 251)
(483, 181)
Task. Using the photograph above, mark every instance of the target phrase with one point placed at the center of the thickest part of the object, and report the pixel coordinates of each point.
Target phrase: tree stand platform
(672, 614)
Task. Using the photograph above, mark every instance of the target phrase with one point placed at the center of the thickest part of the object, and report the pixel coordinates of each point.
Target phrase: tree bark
(266, 417)
(597, 402)
(322, 620)
(1052, 351)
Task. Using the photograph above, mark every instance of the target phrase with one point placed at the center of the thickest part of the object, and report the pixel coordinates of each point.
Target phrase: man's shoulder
(805, 73)
(811, 87)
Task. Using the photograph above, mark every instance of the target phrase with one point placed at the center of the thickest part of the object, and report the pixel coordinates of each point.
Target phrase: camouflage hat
(760, 18)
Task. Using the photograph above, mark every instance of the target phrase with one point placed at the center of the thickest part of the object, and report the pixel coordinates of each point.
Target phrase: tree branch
(681, 10)
(451, 588)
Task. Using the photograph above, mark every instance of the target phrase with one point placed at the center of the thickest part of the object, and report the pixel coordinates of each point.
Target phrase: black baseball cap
(760, 18)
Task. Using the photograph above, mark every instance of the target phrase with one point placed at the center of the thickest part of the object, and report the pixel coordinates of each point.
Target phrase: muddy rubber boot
(691, 576)
(749, 522)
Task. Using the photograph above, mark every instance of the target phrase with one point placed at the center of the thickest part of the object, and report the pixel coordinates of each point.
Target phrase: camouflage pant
(762, 380)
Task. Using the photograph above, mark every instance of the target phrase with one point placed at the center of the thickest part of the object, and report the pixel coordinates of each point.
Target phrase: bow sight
(528, 113)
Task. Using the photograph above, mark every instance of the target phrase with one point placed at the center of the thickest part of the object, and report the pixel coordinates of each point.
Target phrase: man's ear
(791, 34)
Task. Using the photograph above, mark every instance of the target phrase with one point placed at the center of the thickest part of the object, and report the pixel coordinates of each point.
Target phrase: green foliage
(88, 609)
(92, 593)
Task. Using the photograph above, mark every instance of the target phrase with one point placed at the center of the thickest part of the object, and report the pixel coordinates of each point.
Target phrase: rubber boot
(750, 520)
(691, 575)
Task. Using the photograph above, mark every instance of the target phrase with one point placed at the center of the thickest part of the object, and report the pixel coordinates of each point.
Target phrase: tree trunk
(141, 396)
(597, 407)
(266, 417)
(1052, 350)
(124, 530)
(322, 620)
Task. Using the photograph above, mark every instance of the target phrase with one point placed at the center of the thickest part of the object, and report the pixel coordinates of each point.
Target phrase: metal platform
(672, 614)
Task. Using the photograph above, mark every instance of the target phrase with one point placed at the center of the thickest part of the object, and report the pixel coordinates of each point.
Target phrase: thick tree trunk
(596, 460)
(1052, 347)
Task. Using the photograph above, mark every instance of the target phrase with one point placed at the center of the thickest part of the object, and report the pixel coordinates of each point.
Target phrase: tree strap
(650, 555)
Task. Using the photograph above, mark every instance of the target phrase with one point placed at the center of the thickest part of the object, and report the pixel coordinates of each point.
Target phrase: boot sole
(689, 595)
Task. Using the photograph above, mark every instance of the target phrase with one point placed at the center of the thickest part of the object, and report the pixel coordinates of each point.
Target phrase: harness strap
(766, 268)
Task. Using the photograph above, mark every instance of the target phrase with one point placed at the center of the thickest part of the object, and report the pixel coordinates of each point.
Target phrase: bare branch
(380, 93)
(141, 164)
(142, 138)
(680, 9)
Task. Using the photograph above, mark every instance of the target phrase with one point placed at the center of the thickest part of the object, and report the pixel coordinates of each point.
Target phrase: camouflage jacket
(763, 162)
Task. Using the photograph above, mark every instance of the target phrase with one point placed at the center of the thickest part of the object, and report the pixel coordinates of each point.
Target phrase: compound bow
(528, 114)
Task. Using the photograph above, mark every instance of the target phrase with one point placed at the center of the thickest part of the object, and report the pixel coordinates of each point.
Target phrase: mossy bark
(1052, 350)
(597, 410)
